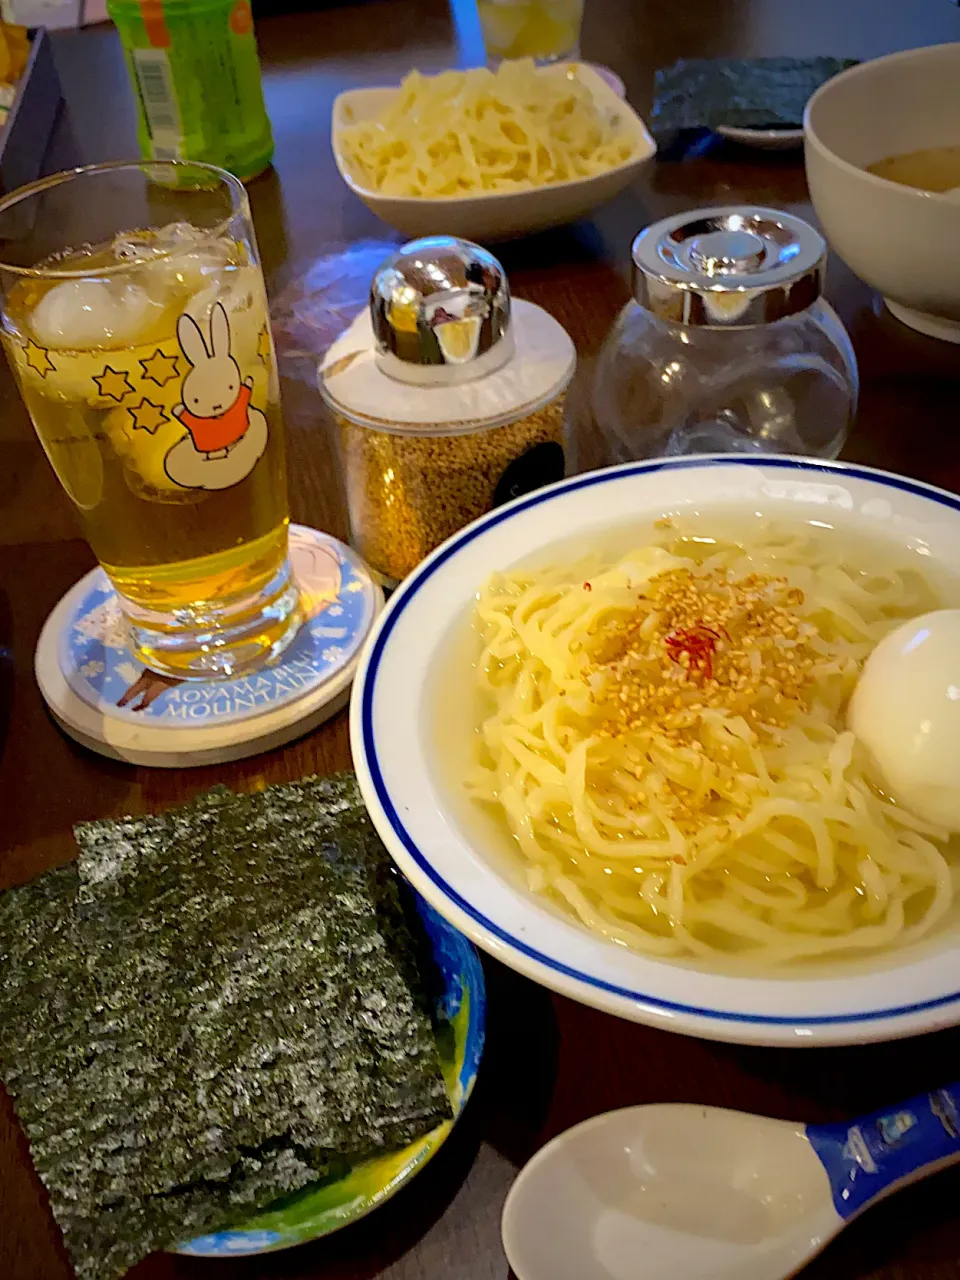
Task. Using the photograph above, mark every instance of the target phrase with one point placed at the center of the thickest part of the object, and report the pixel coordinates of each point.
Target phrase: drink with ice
(146, 363)
(547, 30)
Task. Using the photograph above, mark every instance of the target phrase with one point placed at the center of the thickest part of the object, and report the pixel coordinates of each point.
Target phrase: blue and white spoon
(664, 1192)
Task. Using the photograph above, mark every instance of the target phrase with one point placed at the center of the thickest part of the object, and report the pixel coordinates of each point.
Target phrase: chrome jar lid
(729, 267)
(440, 309)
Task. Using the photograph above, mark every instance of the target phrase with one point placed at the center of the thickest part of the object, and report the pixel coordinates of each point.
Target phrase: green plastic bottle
(196, 76)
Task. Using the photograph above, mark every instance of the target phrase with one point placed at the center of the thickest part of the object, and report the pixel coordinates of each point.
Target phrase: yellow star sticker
(112, 383)
(147, 416)
(38, 358)
(264, 348)
(159, 368)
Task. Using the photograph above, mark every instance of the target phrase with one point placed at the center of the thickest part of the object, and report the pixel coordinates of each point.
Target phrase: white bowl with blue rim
(411, 797)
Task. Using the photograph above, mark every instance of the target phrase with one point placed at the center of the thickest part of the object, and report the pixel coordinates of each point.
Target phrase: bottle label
(159, 99)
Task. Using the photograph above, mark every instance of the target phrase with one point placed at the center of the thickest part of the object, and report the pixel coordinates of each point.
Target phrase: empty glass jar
(728, 345)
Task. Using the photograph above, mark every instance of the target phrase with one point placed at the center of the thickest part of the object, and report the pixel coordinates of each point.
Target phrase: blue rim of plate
(449, 549)
(461, 974)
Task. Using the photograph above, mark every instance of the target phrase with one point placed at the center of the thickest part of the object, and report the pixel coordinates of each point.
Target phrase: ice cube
(179, 235)
(177, 274)
(194, 270)
(180, 258)
(240, 289)
(134, 246)
(78, 315)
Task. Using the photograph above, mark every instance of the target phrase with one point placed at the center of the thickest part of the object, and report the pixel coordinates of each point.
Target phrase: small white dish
(461, 871)
(496, 215)
(763, 139)
(701, 1193)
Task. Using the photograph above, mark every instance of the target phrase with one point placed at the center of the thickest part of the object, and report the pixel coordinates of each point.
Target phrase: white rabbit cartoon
(226, 434)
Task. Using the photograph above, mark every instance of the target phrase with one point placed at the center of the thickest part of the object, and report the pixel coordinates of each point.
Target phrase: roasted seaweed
(747, 93)
(212, 1008)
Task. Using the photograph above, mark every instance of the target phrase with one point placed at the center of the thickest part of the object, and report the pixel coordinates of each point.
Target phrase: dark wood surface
(549, 1063)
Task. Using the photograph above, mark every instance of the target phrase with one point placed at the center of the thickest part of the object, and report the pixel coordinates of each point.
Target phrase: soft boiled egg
(906, 712)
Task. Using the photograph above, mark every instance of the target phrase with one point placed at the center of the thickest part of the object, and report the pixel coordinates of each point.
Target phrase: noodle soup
(656, 741)
(933, 169)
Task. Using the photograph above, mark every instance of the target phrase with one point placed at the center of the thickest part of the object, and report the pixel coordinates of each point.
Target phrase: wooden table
(549, 1063)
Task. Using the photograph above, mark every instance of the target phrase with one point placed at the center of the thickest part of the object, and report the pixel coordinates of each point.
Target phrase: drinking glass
(134, 316)
(547, 30)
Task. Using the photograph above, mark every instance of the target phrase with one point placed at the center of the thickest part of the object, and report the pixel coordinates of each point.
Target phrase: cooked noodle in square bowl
(646, 736)
(489, 155)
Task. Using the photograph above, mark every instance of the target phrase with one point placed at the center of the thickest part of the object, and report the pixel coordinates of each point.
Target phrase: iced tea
(147, 366)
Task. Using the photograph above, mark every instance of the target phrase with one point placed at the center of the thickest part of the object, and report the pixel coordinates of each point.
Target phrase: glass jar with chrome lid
(727, 346)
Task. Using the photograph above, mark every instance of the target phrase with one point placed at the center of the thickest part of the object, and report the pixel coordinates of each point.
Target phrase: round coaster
(107, 700)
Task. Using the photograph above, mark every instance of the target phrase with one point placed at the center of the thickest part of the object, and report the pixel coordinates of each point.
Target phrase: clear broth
(933, 169)
(457, 705)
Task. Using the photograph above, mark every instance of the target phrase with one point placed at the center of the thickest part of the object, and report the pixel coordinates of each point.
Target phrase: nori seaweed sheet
(747, 93)
(212, 1008)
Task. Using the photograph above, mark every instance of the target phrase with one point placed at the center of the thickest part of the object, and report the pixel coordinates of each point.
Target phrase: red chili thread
(699, 643)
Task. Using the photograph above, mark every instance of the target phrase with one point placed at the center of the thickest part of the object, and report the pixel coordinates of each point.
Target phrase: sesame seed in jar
(408, 492)
(464, 414)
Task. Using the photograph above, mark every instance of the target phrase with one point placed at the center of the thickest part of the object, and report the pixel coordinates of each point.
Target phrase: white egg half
(906, 712)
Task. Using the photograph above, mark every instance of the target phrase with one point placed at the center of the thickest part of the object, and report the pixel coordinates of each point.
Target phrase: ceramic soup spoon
(664, 1192)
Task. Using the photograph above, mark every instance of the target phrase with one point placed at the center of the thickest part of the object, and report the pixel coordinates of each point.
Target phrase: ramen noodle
(470, 132)
(664, 738)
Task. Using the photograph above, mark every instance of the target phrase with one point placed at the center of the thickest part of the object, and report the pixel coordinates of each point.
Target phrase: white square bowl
(496, 215)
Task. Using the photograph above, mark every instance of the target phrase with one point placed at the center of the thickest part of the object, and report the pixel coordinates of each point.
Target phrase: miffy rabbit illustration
(215, 400)
(227, 435)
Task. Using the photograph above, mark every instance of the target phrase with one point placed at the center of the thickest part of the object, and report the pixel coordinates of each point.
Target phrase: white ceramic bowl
(409, 793)
(898, 239)
(496, 215)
